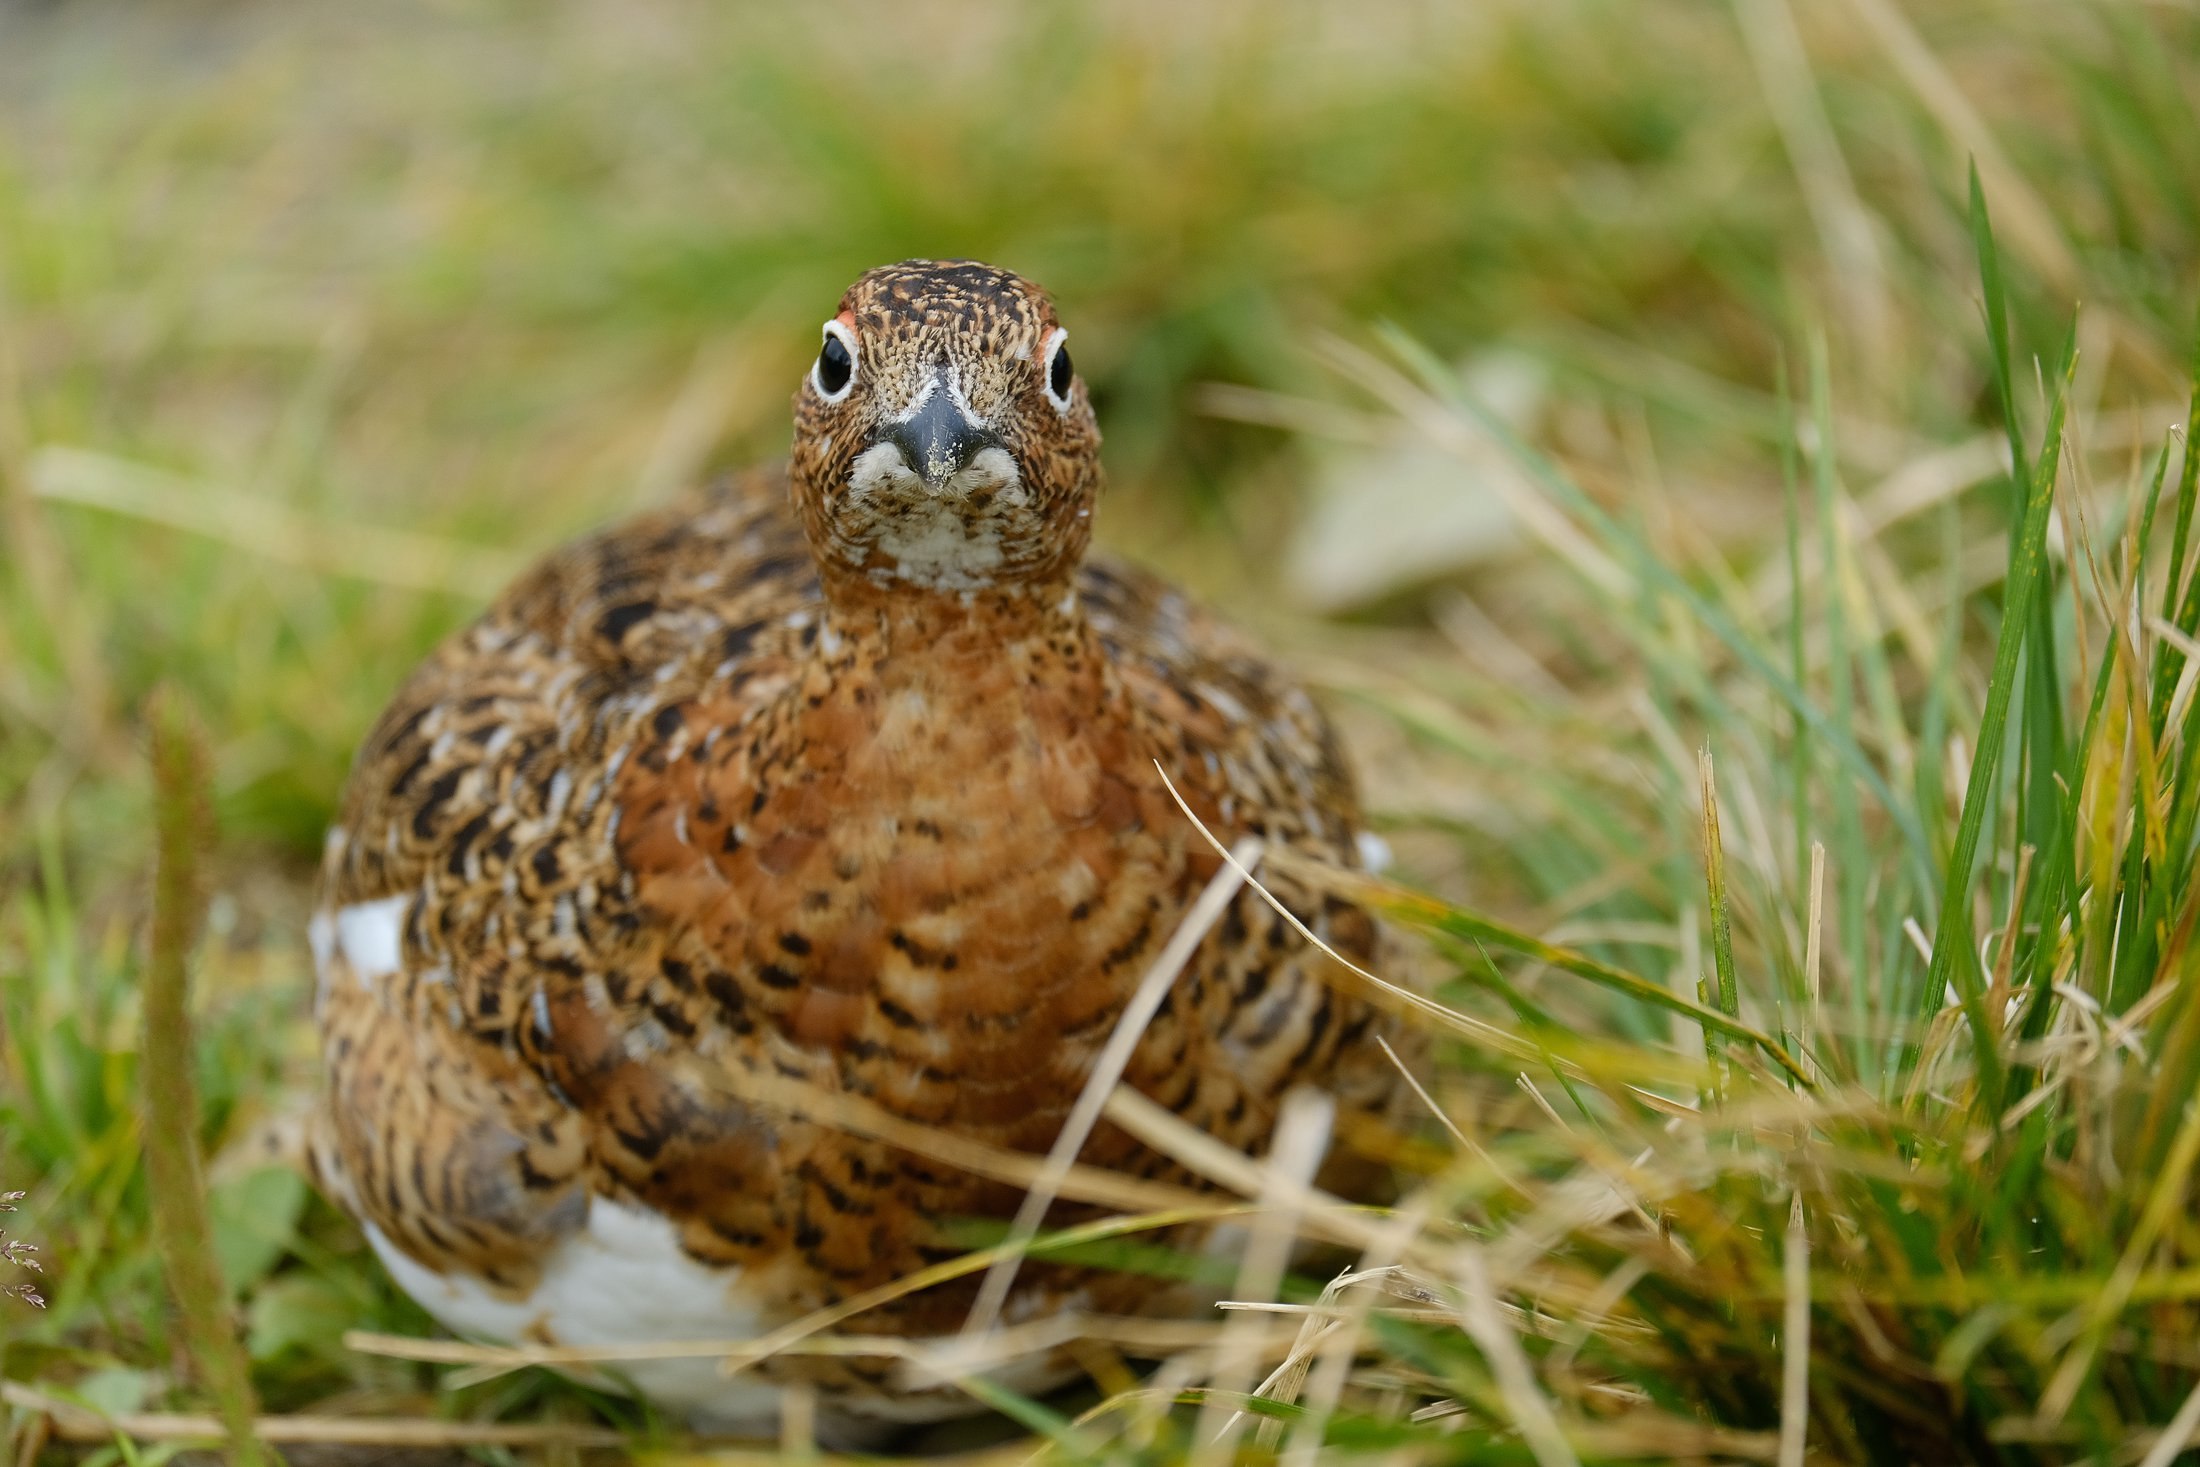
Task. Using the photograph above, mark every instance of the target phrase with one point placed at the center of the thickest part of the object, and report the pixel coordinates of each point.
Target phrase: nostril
(937, 440)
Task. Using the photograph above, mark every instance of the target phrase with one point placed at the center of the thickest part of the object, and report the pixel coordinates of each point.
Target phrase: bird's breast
(942, 878)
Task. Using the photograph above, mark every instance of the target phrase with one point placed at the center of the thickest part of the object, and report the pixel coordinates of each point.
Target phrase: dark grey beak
(937, 441)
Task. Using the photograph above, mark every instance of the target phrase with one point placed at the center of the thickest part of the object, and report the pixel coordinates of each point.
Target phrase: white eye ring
(835, 331)
(1046, 376)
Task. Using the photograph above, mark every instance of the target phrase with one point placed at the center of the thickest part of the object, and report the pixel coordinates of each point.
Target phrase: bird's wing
(494, 1003)
(1246, 745)
(1250, 753)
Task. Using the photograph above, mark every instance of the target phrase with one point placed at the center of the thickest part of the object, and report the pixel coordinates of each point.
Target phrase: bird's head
(942, 439)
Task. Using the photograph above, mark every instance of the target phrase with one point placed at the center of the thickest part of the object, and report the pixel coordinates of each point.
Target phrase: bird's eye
(836, 363)
(1060, 374)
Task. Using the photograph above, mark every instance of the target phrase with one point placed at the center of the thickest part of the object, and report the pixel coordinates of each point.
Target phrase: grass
(173, 1175)
(1797, 801)
(22, 1255)
(1975, 1205)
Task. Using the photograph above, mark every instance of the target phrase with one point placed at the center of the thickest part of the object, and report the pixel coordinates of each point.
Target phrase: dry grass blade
(75, 1423)
(1467, 1143)
(714, 1454)
(1130, 1026)
(798, 1423)
(1844, 226)
(2177, 1435)
(1463, 1024)
(2180, 704)
(2031, 223)
(1302, 1135)
(1458, 435)
(1795, 1340)
(1421, 1093)
(1322, 1213)
(824, 1319)
(860, 1117)
(954, 1355)
(740, 1354)
(1814, 951)
(268, 527)
(1524, 1400)
(947, 1353)
(181, 823)
(2164, 1199)
(1332, 1351)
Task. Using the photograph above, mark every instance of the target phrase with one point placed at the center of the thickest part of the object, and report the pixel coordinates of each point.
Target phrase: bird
(852, 774)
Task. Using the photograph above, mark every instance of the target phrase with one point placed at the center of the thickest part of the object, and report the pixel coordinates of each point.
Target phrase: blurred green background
(490, 274)
(316, 320)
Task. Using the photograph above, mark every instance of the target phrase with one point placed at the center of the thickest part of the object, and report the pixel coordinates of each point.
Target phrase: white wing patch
(368, 936)
(371, 936)
(1374, 852)
(623, 1279)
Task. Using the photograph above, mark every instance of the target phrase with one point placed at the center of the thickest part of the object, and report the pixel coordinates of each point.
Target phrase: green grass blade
(171, 1100)
(1955, 959)
(2184, 614)
(1434, 916)
(1745, 649)
(1714, 866)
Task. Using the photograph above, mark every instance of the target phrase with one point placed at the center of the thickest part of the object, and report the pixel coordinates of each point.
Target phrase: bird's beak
(939, 439)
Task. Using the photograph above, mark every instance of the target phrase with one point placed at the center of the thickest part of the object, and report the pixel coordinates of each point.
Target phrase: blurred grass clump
(316, 321)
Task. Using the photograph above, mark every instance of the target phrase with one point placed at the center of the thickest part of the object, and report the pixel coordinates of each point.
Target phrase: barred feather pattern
(680, 812)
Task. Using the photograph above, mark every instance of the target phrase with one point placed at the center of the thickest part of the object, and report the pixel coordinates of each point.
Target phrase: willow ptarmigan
(843, 773)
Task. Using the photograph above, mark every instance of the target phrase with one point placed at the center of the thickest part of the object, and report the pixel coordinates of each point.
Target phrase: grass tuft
(181, 822)
(1982, 1240)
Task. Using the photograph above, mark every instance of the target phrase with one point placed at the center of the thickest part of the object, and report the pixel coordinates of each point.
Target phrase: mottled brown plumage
(845, 775)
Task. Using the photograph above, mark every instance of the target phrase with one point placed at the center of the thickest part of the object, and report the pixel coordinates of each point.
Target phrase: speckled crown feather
(988, 329)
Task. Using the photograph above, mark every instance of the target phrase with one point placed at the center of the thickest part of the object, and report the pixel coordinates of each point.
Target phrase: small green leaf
(115, 1391)
(297, 1311)
(254, 1217)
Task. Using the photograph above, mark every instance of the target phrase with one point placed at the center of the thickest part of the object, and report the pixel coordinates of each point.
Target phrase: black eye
(1060, 373)
(834, 366)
